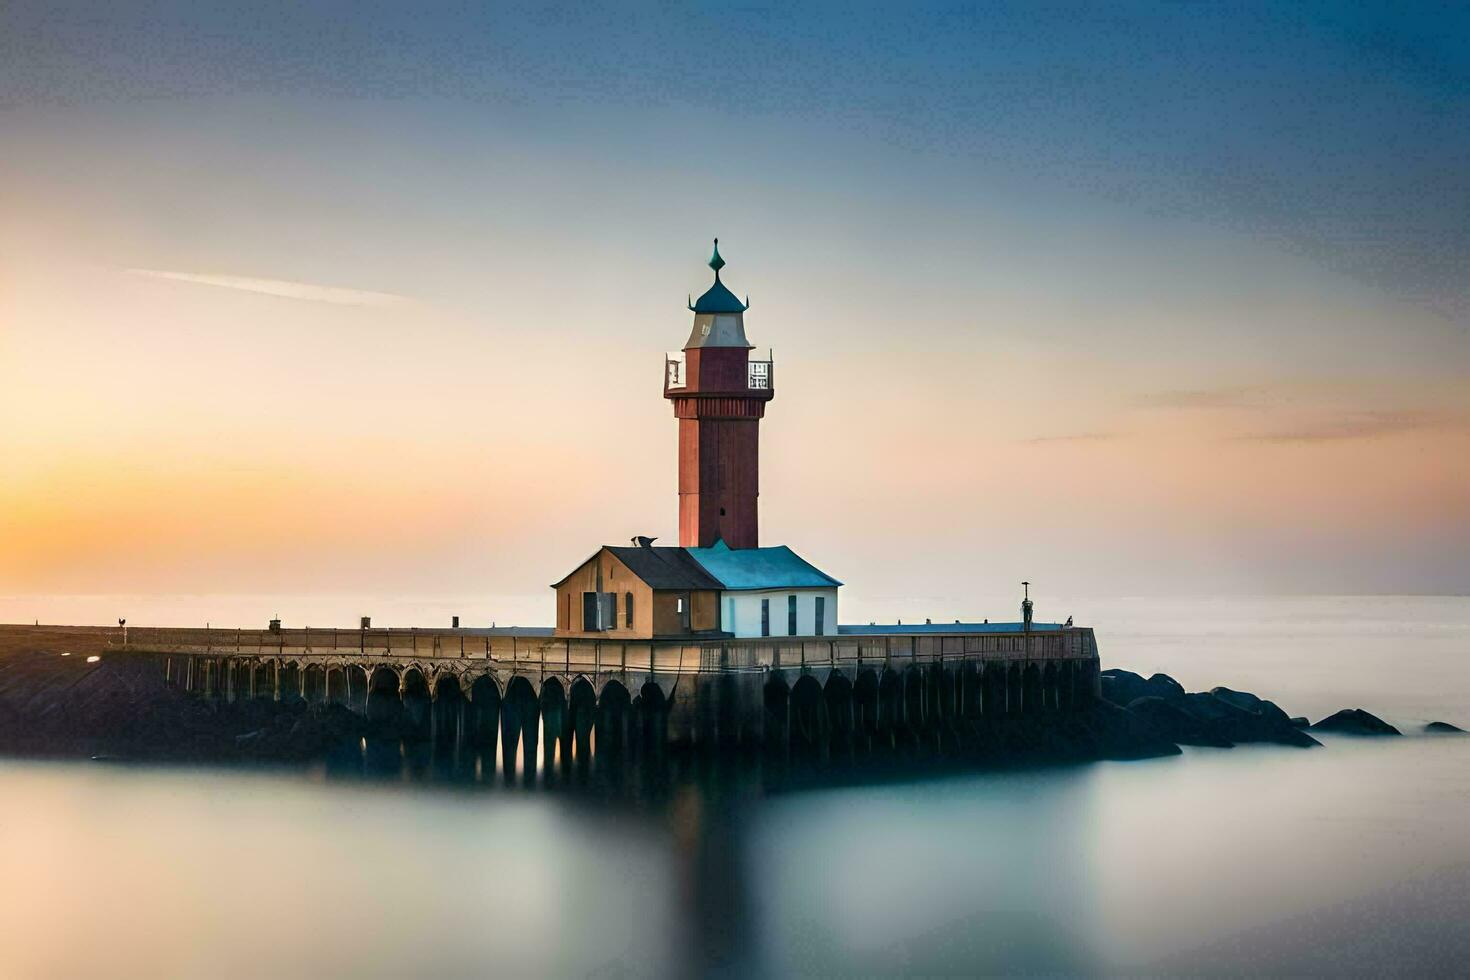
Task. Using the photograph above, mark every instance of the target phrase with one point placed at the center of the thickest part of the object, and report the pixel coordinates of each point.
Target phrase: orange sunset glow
(228, 370)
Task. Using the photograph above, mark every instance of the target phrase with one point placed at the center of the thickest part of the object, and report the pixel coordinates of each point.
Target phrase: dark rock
(1243, 700)
(1166, 687)
(1256, 706)
(1174, 723)
(1220, 718)
(1123, 687)
(1299, 721)
(1443, 726)
(1120, 734)
(1119, 687)
(1224, 718)
(1355, 721)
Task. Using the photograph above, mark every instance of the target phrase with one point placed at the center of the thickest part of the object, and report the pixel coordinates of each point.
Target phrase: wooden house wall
(704, 612)
(616, 578)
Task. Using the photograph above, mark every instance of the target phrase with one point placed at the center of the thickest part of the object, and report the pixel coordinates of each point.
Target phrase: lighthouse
(719, 581)
(719, 393)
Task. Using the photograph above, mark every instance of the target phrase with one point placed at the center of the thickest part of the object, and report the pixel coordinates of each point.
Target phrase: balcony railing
(674, 376)
(760, 372)
(758, 375)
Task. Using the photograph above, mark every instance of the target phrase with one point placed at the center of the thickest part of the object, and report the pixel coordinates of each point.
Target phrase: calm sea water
(1354, 858)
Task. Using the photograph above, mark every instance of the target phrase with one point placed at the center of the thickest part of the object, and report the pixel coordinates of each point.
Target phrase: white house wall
(741, 611)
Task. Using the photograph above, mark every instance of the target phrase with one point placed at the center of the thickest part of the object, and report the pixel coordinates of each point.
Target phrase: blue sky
(1334, 128)
(1214, 255)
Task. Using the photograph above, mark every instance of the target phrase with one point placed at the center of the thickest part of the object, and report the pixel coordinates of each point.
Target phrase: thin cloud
(1241, 396)
(1359, 425)
(337, 295)
(1070, 437)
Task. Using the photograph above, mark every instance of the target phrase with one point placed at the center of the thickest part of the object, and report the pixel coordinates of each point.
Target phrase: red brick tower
(719, 395)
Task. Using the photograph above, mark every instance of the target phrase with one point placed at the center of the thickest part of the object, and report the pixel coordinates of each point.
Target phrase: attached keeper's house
(638, 593)
(645, 592)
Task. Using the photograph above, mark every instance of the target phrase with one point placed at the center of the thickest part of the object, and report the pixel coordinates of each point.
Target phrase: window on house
(820, 614)
(791, 615)
(765, 617)
(599, 611)
(628, 609)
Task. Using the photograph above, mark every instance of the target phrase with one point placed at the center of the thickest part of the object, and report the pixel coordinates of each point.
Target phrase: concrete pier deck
(726, 691)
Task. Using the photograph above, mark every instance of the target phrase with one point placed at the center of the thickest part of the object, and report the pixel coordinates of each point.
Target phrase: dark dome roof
(717, 299)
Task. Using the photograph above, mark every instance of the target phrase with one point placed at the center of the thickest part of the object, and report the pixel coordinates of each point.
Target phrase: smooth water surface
(1354, 858)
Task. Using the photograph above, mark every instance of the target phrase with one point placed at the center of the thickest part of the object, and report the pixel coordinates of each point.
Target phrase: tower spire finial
(718, 299)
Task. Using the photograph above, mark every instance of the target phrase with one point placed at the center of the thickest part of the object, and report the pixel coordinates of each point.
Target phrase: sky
(1123, 299)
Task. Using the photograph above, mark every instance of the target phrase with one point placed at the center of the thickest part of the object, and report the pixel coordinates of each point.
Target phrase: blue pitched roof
(760, 568)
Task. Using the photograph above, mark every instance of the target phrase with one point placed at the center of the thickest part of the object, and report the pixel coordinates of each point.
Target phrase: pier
(477, 685)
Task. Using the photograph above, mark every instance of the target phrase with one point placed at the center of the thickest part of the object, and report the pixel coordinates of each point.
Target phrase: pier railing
(576, 654)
